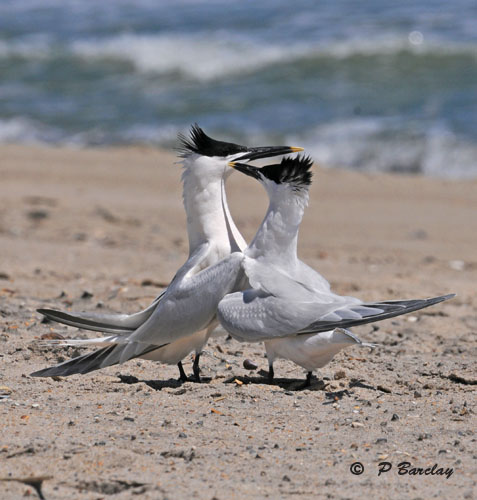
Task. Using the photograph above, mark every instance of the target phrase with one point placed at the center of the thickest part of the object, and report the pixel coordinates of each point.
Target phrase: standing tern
(182, 317)
(290, 306)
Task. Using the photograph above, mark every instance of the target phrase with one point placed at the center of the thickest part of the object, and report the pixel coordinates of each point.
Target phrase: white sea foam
(26, 131)
(201, 58)
(380, 145)
(376, 145)
(210, 57)
(449, 156)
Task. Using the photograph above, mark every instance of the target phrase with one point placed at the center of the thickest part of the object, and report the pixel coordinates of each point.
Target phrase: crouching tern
(182, 317)
(288, 305)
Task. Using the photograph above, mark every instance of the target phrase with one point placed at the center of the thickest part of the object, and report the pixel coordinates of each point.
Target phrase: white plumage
(288, 305)
(181, 319)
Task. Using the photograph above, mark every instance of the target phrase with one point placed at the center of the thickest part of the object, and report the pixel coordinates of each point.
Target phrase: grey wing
(256, 315)
(122, 324)
(125, 347)
(188, 306)
(277, 305)
(369, 313)
(103, 322)
(107, 356)
(273, 280)
(307, 275)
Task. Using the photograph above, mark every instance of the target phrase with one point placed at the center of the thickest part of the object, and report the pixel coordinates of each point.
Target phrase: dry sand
(111, 223)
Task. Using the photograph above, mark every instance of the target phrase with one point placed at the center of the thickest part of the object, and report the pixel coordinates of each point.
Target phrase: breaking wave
(206, 58)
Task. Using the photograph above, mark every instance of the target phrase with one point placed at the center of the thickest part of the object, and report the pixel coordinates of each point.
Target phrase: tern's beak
(246, 169)
(267, 152)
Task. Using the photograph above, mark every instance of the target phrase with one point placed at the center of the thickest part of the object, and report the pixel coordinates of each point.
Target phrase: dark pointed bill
(267, 152)
(246, 169)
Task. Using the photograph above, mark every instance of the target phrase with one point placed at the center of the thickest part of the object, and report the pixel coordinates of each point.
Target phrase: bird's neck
(208, 217)
(277, 237)
(237, 241)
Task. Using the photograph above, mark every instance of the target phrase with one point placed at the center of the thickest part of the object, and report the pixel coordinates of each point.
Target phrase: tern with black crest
(182, 317)
(288, 305)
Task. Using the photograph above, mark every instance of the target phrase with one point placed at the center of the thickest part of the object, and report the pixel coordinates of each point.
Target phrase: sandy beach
(105, 229)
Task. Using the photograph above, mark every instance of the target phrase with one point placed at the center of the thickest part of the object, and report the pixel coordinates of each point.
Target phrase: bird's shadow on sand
(294, 385)
(283, 383)
(158, 385)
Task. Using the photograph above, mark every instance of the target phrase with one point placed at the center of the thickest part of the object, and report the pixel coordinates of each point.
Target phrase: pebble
(37, 215)
(249, 365)
(339, 375)
(457, 265)
(179, 392)
(421, 437)
(52, 336)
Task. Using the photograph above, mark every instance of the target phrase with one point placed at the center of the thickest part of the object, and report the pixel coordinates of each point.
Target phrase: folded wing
(255, 316)
(102, 322)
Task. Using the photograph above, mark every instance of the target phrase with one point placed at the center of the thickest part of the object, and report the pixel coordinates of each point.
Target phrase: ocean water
(370, 85)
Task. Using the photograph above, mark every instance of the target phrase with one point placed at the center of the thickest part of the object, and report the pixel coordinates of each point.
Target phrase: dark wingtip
(389, 309)
(441, 298)
(40, 373)
(449, 296)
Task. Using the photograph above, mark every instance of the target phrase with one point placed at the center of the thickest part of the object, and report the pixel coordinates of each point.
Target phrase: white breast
(308, 351)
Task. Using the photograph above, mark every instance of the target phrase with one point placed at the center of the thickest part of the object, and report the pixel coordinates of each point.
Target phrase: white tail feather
(98, 341)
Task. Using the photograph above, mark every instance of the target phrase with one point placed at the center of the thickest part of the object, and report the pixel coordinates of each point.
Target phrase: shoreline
(14, 148)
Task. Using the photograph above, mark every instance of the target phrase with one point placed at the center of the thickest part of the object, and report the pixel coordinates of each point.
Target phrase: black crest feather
(294, 171)
(200, 143)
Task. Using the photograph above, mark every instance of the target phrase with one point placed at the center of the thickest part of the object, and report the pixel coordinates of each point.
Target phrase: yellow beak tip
(296, 149)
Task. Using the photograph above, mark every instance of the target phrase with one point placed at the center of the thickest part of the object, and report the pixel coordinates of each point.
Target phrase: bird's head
(290, 173)
(215, 156)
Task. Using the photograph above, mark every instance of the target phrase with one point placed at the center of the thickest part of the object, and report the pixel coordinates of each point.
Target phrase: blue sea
(371, 85)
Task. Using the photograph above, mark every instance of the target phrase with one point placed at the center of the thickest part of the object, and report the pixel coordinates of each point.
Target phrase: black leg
(196, 368)
(271, 373)
(306, 383)
(182, 374)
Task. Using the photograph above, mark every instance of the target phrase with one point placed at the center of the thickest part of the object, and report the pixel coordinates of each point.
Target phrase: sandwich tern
(182, 317)
(290, 306)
